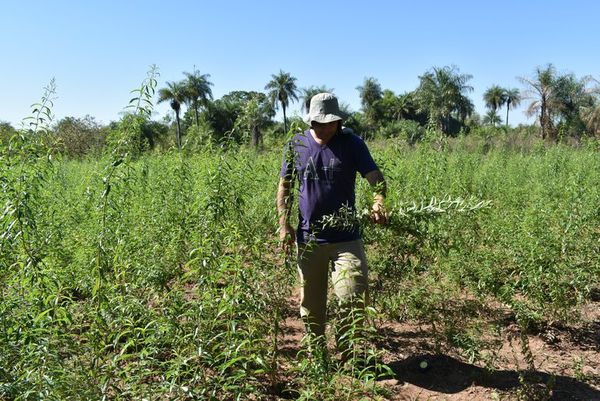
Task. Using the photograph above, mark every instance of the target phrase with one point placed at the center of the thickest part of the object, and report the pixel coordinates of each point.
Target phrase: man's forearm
(377, 182)
(283, 201)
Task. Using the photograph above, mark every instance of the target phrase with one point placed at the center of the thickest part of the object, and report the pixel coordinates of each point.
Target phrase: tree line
(563, 104)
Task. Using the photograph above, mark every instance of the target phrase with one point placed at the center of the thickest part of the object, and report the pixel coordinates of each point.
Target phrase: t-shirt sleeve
(364, 161)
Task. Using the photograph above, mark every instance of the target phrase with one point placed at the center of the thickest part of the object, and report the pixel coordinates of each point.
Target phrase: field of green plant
(159, 277)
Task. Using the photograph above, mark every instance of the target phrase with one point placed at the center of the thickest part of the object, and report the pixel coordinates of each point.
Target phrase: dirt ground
(566, 360)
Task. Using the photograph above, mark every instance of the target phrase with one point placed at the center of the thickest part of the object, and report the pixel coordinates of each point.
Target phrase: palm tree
(494, 98)
(591, 114)
(308, 93)
(282, 88)
(542, 91)
(198, 92)
(405, 106)
(175, 94)
(559, 99)
(513, 99)
(254, 117)
(573, 96)
(441, 92)
(370, 94)
(492, 118)
(465, 108)
(591, 117)
(392, 107)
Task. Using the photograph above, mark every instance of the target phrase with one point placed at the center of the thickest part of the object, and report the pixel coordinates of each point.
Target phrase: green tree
(77, 137)
(494, 98)
(464, 109)
(197, 91)
(141, 133)
(590, 114)
(154, 132)
(406, 106)
(400, 107)
(390, 107)
(255, 115)
(559, 100)
(232, 117)
(573, 95)
(441, 92)
(282, 88)
(591, 117)
(6, 132)
(513, 99)
(491, 118)
(175, 94)
(220, 117)
(240, 98)
(541, 90)
(369, 92)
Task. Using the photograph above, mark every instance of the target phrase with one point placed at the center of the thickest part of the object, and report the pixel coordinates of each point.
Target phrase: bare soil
(566, 362)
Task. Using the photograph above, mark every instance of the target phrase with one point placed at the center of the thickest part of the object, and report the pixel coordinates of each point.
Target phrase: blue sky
(98, 51)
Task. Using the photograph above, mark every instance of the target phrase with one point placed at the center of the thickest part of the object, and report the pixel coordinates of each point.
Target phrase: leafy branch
(401, 215)
(42, 114)
(141, 103)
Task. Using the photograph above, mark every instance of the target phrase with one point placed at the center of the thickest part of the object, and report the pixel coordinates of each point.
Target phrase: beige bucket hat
(324, 108)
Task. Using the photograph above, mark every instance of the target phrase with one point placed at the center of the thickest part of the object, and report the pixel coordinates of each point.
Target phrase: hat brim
(325, 118)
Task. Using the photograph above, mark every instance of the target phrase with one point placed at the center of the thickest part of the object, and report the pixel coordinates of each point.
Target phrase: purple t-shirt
(327, 176)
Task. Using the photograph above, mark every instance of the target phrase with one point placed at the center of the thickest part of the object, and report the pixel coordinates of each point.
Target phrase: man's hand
(379, 214)
(287, 237)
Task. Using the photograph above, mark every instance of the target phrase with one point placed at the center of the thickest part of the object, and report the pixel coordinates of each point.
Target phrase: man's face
(325, 129)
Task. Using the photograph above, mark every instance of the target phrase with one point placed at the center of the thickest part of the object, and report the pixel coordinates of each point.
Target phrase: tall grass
(159, 276)
(534, 251)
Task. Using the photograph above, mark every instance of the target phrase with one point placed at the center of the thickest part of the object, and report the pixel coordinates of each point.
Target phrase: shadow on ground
(448, 375)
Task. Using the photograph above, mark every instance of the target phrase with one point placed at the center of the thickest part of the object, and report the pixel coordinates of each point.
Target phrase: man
(325, 160)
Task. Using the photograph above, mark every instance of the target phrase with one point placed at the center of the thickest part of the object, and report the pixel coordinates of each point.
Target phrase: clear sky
(98, 51)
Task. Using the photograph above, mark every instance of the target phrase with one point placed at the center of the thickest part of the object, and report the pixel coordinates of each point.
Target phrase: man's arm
(377, 182)
(287, 235)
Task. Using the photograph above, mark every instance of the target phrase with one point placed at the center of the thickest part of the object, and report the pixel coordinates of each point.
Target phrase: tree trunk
(256, 136)
(507, 107)
(284, 120)
(178, 131)
(543, 118)
(494, 120)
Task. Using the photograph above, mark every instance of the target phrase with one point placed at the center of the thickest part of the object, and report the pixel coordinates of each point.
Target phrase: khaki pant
(348, 266)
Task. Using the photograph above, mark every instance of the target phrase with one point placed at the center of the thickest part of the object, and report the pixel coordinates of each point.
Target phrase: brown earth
(566, 361)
